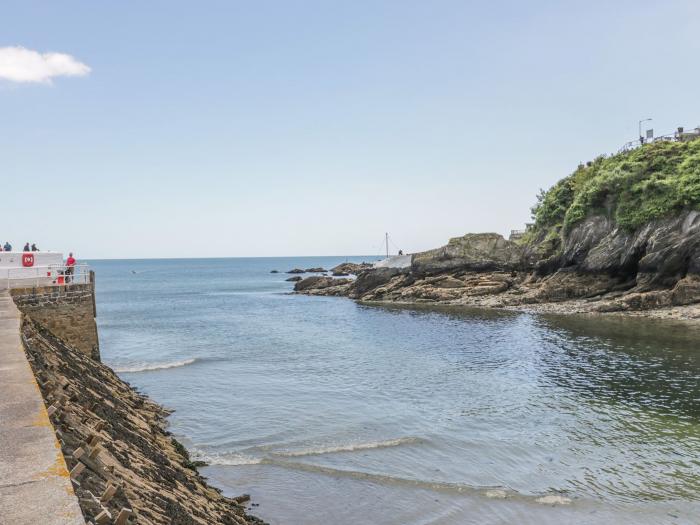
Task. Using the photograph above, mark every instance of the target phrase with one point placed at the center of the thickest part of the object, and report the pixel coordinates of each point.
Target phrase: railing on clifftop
(680, 135)
(516, 234)
(51, 275)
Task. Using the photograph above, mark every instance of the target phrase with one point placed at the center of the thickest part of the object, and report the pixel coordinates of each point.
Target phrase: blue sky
(311, 128)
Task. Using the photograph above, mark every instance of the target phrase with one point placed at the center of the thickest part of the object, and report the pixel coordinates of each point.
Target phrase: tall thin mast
(386, 235)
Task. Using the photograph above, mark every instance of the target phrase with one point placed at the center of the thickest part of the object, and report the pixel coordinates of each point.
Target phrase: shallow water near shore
(327, 411)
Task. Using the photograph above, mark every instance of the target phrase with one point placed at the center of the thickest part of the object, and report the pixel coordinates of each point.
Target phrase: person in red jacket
(70, 267)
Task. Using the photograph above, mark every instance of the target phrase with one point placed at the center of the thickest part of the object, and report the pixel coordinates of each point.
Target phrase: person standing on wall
(8, 246)
(26, 247)
(70, 267)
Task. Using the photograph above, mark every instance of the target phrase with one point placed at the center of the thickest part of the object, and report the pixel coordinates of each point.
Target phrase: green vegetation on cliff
(632, 188)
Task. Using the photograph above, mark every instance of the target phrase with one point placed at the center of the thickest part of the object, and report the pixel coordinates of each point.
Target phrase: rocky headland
(621, 234)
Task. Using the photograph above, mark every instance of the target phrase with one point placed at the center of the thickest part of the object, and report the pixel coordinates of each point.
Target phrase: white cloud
(18, 64)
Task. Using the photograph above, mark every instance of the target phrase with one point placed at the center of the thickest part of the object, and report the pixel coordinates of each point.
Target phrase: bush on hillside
(632, 187)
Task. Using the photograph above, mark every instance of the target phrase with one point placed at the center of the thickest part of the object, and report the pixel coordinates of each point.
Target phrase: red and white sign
(27, 259)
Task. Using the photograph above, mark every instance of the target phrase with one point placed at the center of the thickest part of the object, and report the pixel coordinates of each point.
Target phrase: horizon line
(219, 257)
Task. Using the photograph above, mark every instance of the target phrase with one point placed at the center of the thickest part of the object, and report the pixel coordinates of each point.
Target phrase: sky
(226, 128)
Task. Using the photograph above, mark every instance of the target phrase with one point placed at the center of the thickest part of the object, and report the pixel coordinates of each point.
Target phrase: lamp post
(641, 139)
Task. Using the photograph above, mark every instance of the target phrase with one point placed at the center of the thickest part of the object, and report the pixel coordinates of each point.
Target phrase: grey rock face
(473, 252)
(583, 238)
(660, 253)
(672, 250)
(372, 279)
(350, 268)
(319, 282)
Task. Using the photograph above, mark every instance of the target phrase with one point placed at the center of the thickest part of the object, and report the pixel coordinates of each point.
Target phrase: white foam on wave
(228, 459)
(553, 499)
(147, 367)
(236, 458)
(275, 459)
(349, 447)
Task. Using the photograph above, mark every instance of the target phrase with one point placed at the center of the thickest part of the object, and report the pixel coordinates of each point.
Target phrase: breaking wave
(352, 447)
(490, 492)
(277, 459)
(268, 456)
(147, 367)
(227, 459)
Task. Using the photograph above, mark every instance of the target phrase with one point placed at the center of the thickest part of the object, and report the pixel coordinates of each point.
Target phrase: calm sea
(330, 412)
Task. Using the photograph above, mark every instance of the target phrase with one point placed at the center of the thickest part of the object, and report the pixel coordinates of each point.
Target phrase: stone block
(108, 494)
(77, 470)
(103, 517)
(123, 516)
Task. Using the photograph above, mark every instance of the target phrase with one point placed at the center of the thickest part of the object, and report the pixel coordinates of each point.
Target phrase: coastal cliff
(124, 465)
(621, 234)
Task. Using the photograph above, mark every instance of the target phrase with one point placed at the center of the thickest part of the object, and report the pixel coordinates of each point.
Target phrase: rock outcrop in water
(329, 285)
(348, 268)
(621, 234)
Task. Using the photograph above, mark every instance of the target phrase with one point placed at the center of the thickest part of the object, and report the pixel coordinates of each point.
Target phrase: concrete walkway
(35, 487)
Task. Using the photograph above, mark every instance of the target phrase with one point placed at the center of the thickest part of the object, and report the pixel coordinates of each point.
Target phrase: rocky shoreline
(686, 314)
(598, 268)
(125, 466)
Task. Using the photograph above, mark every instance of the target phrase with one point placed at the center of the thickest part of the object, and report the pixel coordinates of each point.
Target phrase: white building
(26, 269)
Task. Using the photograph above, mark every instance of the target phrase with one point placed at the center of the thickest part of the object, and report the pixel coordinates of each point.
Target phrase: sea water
(332, 412)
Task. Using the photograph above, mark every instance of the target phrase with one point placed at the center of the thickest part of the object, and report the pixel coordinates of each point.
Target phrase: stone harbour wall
(124, 466)
(113, 458)
(68, 312)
